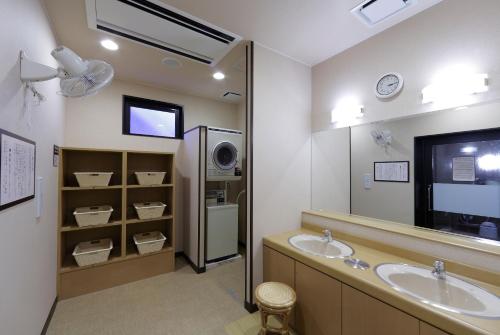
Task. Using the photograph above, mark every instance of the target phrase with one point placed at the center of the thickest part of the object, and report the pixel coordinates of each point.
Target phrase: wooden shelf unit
(124, 264)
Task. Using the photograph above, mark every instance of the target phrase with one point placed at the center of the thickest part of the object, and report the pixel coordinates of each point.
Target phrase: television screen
(144, 117)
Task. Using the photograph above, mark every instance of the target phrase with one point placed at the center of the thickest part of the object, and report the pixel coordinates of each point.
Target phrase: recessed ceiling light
(219, 75)
(109, 44)
(171, 62)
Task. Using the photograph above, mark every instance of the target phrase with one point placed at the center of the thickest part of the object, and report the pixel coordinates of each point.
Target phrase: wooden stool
(275, 299)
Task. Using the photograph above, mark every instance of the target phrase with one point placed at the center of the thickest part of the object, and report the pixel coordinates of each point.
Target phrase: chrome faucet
(439, 270)
(327, 235)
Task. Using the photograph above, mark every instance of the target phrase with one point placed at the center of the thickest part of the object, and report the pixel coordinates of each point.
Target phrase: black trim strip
(199, 197)
(350, 169)
(196, 269)
(368, 4)
(179, 19)
(225, 130)
(220, 259)
(251, 308)
(204, 201)
(49, 317)
(233, 93)
(248, 257)
(159, 46)
(190, 130)
(250, 143)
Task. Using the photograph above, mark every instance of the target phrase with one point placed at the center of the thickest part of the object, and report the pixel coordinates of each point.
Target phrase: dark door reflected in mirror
(457, 183)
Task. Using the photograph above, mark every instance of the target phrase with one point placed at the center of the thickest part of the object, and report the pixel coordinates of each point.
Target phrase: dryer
(224, 151)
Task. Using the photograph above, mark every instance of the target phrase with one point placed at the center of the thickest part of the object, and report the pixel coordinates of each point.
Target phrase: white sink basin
(450, 294)
(320, 247)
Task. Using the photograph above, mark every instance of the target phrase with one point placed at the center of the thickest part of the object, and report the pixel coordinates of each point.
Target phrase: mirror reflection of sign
(392, 171)
(17, 170)
(464, 168)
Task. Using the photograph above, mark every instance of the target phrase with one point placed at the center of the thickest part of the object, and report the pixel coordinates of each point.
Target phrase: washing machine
(224, 147)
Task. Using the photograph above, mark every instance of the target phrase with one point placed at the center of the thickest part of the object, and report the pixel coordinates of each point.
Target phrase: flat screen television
(144, 117)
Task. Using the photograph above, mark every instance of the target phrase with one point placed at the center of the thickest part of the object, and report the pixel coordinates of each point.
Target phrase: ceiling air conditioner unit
(155, 24)
(372, 12)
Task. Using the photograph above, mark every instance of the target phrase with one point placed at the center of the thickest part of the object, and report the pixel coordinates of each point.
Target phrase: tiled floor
(250, 325)
(179, 303)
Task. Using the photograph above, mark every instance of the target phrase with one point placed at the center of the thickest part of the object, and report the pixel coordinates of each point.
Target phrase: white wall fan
(382, 138)
(78, 77)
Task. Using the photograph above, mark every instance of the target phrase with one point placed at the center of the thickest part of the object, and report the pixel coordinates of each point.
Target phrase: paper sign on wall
(55, 156)
(17, 169)
(392, 171)
(464, 168)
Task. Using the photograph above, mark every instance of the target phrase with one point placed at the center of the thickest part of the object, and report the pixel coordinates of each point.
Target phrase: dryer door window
(224, 156)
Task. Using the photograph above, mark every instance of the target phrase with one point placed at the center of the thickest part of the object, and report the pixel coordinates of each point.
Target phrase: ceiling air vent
(155, 24)
(372, 12)
(232, 96)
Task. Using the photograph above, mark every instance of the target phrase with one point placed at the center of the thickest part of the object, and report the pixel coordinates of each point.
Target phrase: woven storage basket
(149, 210)
(93, 179)
(149, 242)
(93, 252)
(150, 178)
(91, 216)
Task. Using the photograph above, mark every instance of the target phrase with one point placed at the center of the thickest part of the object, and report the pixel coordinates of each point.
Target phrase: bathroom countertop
(369, 283)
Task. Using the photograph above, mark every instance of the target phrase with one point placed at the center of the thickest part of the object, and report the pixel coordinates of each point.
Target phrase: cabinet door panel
(278, 267)
(427, 329)
(318, 309)
(364, 315)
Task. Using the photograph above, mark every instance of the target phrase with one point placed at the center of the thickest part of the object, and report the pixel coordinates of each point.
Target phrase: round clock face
(389, 85)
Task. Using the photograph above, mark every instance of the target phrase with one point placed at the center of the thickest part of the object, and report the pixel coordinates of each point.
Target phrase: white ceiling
(309, 31)
(135, 62)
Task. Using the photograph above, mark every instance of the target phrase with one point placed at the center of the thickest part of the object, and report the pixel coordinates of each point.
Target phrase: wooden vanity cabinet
(326, 306)
(278, 267)
(427, 329)
(318, 309)
(364, 315)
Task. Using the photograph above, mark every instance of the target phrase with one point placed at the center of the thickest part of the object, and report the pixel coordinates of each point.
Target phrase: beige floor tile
(249, 325)
(179, 303)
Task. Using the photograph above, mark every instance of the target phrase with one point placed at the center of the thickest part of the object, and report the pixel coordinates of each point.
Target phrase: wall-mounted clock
(389, 85)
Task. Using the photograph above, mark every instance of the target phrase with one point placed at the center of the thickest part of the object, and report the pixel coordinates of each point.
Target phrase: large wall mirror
(451, 183)
(427, 156)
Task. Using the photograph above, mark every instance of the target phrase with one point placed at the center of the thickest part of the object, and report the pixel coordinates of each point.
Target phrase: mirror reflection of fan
(382, 138)
(78, 77)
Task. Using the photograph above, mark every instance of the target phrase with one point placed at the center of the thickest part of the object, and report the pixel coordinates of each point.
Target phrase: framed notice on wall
(395, 171)
(17, 169)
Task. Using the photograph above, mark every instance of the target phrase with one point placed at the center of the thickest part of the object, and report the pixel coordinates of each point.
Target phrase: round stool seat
(275, 295)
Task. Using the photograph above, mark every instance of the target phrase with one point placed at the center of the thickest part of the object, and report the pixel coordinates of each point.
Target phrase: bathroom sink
(450, 294)
(318, 246)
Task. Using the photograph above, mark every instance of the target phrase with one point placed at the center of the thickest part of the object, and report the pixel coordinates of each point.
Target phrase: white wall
(96, 122)
(458, 32)
(242, 184)
(330, 171)
(28, 247)
(281, 147)
(102, 115)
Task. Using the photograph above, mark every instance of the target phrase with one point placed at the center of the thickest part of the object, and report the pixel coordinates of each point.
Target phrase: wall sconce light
(453, 88)
(347, 111)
